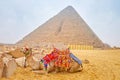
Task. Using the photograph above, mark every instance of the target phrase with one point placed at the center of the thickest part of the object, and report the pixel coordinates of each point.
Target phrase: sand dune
(103, 65)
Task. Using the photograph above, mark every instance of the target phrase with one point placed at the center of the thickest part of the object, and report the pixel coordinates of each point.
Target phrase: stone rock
(20, 61)
(1, 67)
(9, 66)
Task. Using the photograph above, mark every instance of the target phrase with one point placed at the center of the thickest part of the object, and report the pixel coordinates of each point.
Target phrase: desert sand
(103, 65)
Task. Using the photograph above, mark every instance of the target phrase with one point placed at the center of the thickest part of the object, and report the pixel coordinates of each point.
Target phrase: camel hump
(75, 58)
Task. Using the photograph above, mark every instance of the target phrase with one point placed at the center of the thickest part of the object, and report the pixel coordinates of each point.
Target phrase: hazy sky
(20, 17)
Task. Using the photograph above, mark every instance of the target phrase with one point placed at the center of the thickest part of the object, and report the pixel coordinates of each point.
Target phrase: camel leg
(50, 67)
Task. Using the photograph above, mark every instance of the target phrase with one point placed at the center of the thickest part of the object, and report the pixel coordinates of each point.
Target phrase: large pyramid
(66, 27)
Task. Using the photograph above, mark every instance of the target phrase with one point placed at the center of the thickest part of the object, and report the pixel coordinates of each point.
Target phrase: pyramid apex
(69, 7)
(69, 11)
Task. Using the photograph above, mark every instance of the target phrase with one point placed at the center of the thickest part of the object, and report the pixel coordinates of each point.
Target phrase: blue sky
(20, 17)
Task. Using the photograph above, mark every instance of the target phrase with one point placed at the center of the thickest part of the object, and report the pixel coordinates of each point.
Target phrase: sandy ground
(103, 65)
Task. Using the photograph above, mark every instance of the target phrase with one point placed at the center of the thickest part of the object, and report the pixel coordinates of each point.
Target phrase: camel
(73, 67)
